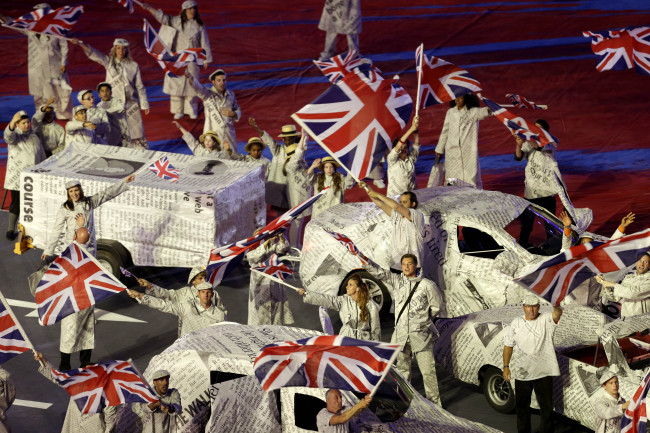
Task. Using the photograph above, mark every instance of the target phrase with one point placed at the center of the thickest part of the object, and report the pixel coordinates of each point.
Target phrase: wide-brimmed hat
(204, 286)
(218, 71)
(81, 94)
(189, 4)
(326, 160)
(212, 134)
(119, 42)
(78, 108)
(254, 140)
(290, 150)
(531, 299)
(289, 131)
(159, 374)
(196, 270)
(69, 184)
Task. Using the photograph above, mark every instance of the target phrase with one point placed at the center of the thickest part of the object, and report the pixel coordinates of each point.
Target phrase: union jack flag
(329, 361)
(164, 169)
(635, 418)
(622, 49)
(105, 384)
(56, 22)
(339, 66)
(556, 277)
(126, 273)
(12, 340)
(127, 4)
(518, 125)
(275, 268)
(356, 119)
(352, 248)
(174, 64)
(442, 81)
(519, 101)
(224, 259)
(73, 282)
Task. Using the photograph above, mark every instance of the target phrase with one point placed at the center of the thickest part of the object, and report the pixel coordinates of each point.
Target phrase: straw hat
(211, 134)
(290, 149)
(254, 140)
(326, 160)
(289, 131)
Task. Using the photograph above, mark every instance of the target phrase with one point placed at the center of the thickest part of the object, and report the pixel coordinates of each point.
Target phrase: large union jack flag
(351, 247)
(442, 81)
(324, 362)
(275, 268)
(519, 101)
(356, 119)
(622, 49)
(105, 384)
(556, 277)
(12, 340)
(73, 282)
(164, 169)
(174, 64)
(339, 66)
(635, 418)
(224, 259)
(56, 22)
(518, 125)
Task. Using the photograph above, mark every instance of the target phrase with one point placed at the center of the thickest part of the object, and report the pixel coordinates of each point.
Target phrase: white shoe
(178, 116)
(379, 183)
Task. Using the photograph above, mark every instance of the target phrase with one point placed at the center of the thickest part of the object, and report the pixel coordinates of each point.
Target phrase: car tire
(498, 392)
(378, 291)
(110, 261)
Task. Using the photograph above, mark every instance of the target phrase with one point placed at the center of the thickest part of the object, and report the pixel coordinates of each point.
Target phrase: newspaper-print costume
(412, 329)
(192, 313)
(340, 17)
(157, 421)
(276, 181)
(52, 135)
(78, 329)
(608, 412)
(633, 293)
(77, 422)
(24, 150)
(46, 55)
(331, 197)
(190, 34)
(99, 117)
(407, 236)
(323, 421)
(267, 300)
(124, 77)
(542, 173)
(7, 397)
(401, 173)
(532, 343)
(263, 160)
(349, 313)
(213, 102)
(459, 142)
(119, 129)
(199, 149)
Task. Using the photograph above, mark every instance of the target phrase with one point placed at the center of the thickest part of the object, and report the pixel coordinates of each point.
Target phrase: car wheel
(498, 392)
(110, 262)
(378, 291)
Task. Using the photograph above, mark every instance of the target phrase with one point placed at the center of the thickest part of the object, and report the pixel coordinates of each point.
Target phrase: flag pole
(383, 375)
(543, 107)
(38, 33)
(130, 361)
(417, 95)
(275, 279)
(18, 325)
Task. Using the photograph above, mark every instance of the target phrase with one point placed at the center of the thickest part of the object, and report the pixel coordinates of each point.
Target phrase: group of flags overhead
(57, 22)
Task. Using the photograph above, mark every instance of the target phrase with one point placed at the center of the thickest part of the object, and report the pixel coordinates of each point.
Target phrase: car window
(305, 408)
(545, 238)
(222, 376)
(477, 243)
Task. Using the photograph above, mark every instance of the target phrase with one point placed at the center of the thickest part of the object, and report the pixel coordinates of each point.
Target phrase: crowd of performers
(116, 120)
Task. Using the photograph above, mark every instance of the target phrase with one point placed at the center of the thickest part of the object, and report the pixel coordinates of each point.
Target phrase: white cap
(81, 93)
(196, 270)
(204, 286)
(42, 6)
(189, 4)
(78, 108)
(605, 376)
(120, 42)
(531, 299)
(69, 184)
(159, 374)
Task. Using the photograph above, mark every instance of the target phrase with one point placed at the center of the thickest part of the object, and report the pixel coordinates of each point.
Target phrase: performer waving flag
(13, 340)
(56, 22)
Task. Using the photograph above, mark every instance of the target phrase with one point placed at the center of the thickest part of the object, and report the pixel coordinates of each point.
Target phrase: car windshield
(538, 231)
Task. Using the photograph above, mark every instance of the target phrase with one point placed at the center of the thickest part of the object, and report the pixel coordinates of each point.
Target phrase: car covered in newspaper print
(471, 251)
(471, 348)
(212, 368)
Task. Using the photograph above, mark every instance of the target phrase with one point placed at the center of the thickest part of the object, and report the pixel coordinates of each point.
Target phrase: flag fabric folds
(339, 66)
(519, 101)
(164, 169)
(635, 418)
(74, 281)
(324, 362)
(442, 81)
(224, 259)
(356, 119)
(174, 64)
(518, 125)
(622, 49)
(12, 340)
(105, 384)
(556, 277)
(275, 268)
(57, 22)
(352, 248)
